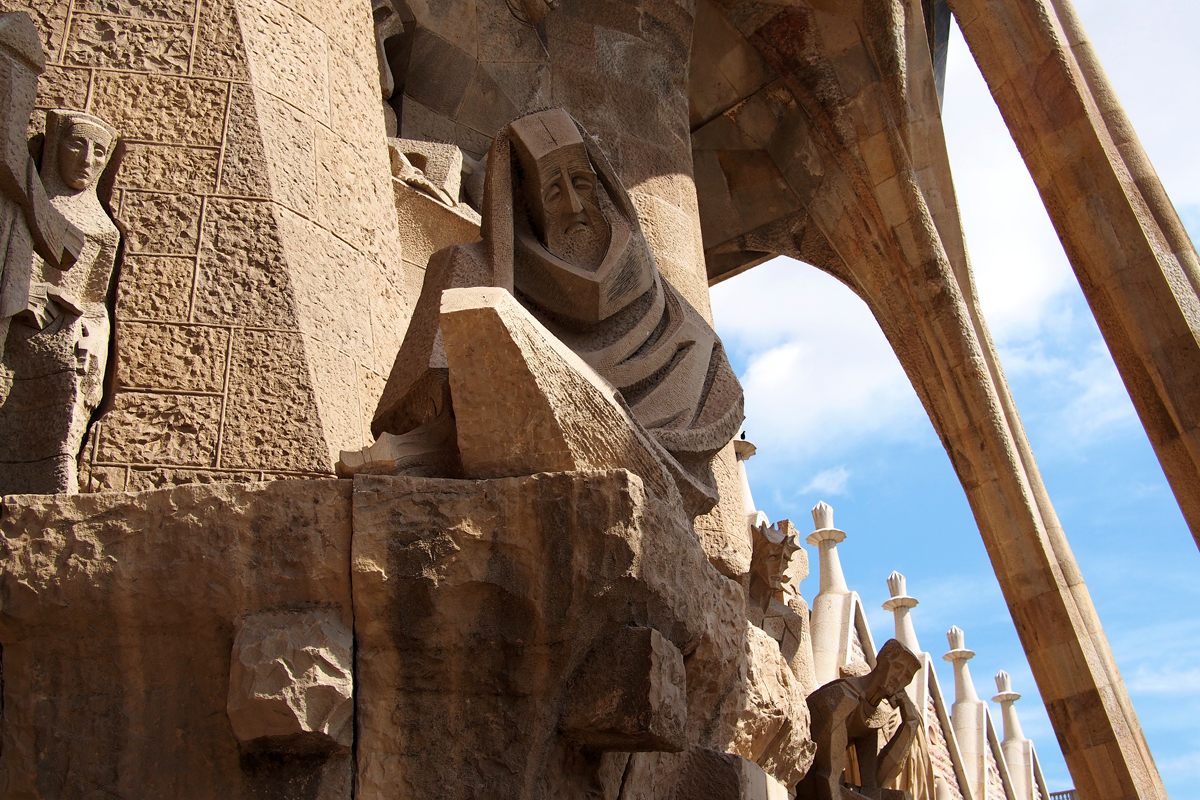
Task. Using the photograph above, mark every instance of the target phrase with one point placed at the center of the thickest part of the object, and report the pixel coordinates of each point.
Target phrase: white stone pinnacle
(964, 687)
(899, 604)
(825, 538)
(1007, 698)
(822, 515)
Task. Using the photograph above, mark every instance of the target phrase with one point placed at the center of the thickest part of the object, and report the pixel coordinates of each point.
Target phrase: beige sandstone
(479, 606)
(291, 682)
(121, 615)
(269, 276)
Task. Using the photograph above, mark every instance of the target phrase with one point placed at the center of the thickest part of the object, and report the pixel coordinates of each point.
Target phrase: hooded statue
(57, 356)
(560, 232)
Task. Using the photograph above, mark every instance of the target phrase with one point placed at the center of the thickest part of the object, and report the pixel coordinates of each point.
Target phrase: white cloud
(819, 375)
(828, 481)
(1018, 262)
(1169, 680)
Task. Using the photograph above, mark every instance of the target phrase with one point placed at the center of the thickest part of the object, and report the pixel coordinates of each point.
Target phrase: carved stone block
(291, 682)
(630, 695)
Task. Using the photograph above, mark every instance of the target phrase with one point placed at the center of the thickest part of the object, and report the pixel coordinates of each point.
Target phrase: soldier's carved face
(567, 209)
(774, 565)
(82, 154)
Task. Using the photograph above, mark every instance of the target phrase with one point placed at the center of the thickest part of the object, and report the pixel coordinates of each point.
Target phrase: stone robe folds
(623, 319)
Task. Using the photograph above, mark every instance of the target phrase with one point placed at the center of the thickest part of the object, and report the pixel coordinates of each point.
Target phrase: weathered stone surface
(477, 601)
(768, 712)
(175, 429)
(129, 44)
(167, 168)
(162, 108)
(119, 618)
(629, 695)
(155, 287)
(189, 357)
(524, 403)
(291, 682)
(163, 224)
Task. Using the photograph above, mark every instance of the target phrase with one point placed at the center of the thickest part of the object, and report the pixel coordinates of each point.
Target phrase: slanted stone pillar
(833, 607)
(1018, 751)
(968, 715)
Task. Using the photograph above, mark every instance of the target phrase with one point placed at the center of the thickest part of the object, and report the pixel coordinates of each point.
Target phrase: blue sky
(835, 419)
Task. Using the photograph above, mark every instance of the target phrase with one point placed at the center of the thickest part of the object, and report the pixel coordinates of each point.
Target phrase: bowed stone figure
(52, 377)
(562, 235)
(854, 760)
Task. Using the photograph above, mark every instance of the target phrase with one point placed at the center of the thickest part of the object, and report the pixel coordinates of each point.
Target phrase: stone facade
(262, 295)
(279, 230)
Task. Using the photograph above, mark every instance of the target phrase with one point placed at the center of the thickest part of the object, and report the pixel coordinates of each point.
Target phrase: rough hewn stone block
(128, 44)
(475, 602)
(168, 168)
(244, 171)
(161, 223)
(158, 108)
(272, 420)
(176, 357)
(144, 478)
(119, 619)
(155, 287)
(243, 277)
(219, 50)
(166, 10)
(62, 87)
(174, 429)
(287, 54)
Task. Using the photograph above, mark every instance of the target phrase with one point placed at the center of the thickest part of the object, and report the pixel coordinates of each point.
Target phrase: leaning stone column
(968, 715)
(1129, 250)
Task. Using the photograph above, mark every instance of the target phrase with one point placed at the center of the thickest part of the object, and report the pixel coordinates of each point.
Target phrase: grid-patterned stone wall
(263, 297)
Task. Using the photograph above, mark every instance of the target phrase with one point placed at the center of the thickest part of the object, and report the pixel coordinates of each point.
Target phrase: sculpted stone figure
(52, 378)
(561, 234)
(849, 716)
(777, 567)
(29, 223)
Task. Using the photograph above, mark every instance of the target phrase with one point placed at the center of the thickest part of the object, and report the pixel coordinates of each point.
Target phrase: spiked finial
(897, 585)
(1003, 682)
(957, 638)
(822, 515)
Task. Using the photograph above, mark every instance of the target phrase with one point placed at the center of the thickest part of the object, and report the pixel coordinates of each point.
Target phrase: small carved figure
(29, 223)
(778, 565)
(561, 233)
(848, 719)
(58, 346)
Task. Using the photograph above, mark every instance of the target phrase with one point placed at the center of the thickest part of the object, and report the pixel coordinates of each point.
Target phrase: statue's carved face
(82, 154)
(567, 211)
(772, 565)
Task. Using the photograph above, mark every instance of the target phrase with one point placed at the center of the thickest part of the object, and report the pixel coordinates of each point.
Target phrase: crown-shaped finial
(896, 585)
(1003, 682)
(822, 514)
(956, 638)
